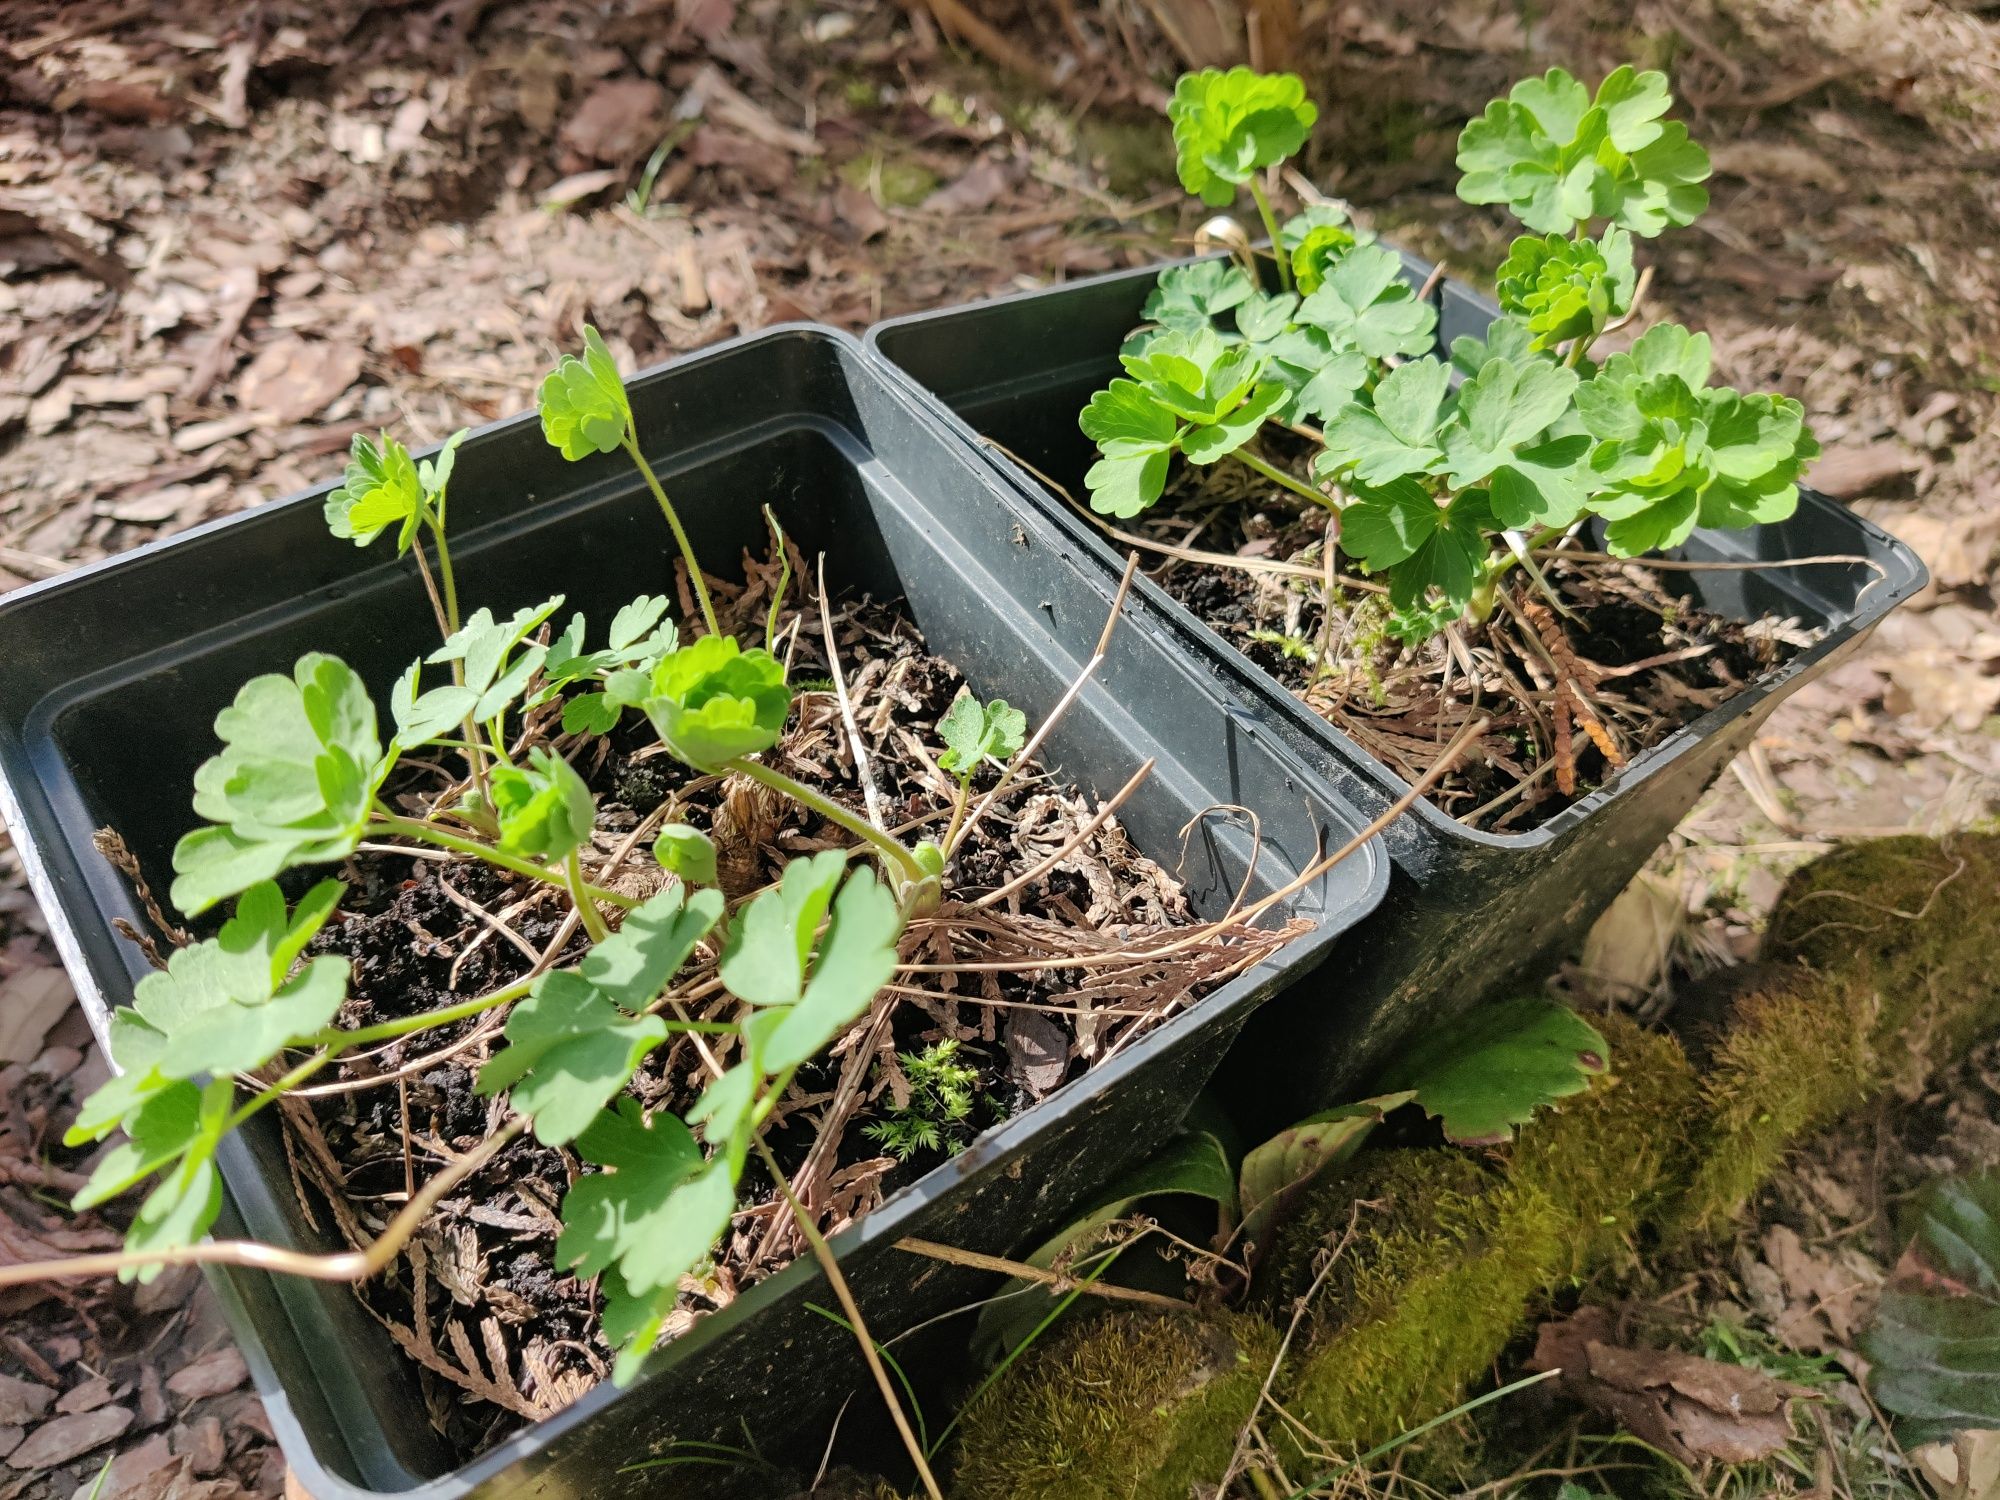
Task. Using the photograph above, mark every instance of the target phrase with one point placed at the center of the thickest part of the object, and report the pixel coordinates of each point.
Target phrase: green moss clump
(903, 184)
(1448, 1265)
(1916, 922)
(1887, 948)
(1434, 1303)
(1118, 1406)
(1611, 1158)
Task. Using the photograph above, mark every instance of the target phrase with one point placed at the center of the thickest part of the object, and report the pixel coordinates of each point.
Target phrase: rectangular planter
(1468, 911)
(115, 672)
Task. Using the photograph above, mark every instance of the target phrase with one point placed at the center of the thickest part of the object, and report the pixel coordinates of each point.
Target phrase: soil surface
(498, 1332)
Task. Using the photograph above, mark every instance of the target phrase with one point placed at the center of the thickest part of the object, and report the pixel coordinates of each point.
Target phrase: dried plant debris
(1640, 658)
(478, 1302)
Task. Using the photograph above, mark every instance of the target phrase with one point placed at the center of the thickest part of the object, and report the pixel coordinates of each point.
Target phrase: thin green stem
(904, 861)
(444, 838)
(959, 806)
(387, 1031)
(593, 919)
(1271, 228)
(1280, 477)
(445, 575)
(445, 603)
(284, 1084)
(496, 732)
(680, 535)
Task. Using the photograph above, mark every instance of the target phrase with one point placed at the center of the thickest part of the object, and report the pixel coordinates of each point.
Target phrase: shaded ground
(231, 242)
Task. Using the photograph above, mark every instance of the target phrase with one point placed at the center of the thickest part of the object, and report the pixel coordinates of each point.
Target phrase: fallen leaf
(1690, 1408)
(1627, 949)
(1037, 1052)
(1959, 550)
(976, 189)
(1963, 1467)
(293, 378)
(618, 120)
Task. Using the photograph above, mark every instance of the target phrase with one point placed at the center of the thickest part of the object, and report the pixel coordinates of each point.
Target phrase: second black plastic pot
(1468, 912)
(114, 674)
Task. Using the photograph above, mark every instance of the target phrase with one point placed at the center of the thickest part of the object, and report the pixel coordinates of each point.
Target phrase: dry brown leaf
(1965, 1468)
(1037, 1052)
(618, 121)
(1691, 1408)
(1628, 947)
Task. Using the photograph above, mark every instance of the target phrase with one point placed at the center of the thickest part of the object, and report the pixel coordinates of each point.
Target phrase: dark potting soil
(498, 1332)
(1635, 652)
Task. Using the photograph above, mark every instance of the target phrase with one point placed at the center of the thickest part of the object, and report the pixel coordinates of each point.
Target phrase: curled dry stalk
(345, 1265)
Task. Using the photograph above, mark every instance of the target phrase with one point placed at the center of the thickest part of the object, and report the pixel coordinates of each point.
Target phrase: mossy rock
(1117, 1406)
(1611, 1158)
(1433, 1298)
(1914, 920)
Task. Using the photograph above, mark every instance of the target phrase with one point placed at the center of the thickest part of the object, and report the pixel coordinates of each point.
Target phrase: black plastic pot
(1468, 912)
(114, 674)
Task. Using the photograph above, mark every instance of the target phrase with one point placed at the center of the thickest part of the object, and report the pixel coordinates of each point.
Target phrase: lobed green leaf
(1228, 126)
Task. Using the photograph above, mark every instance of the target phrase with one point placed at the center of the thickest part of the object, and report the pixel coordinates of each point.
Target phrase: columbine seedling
(585, 410)
(1447, 474)
(1230, 126)
(975, 733)
(299, 781)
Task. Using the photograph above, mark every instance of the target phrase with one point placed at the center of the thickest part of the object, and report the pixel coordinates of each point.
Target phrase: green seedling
(1448, 474)
(1230, 126)
(585, 410)
(975, 733)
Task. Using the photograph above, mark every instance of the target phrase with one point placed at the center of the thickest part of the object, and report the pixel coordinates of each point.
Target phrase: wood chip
(294, 378)
(31, 1002)
(65, 1438)
(22, 1402)
(217, 1371)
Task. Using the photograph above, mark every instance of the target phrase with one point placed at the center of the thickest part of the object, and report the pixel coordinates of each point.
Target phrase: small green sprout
(1315, 241)
(715, 705)
(686, 853)
(1230, 126)
(544, 808)
(383, 488)
(975, 733)
(940, 1104)
(585, 410)
(1567, 291)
